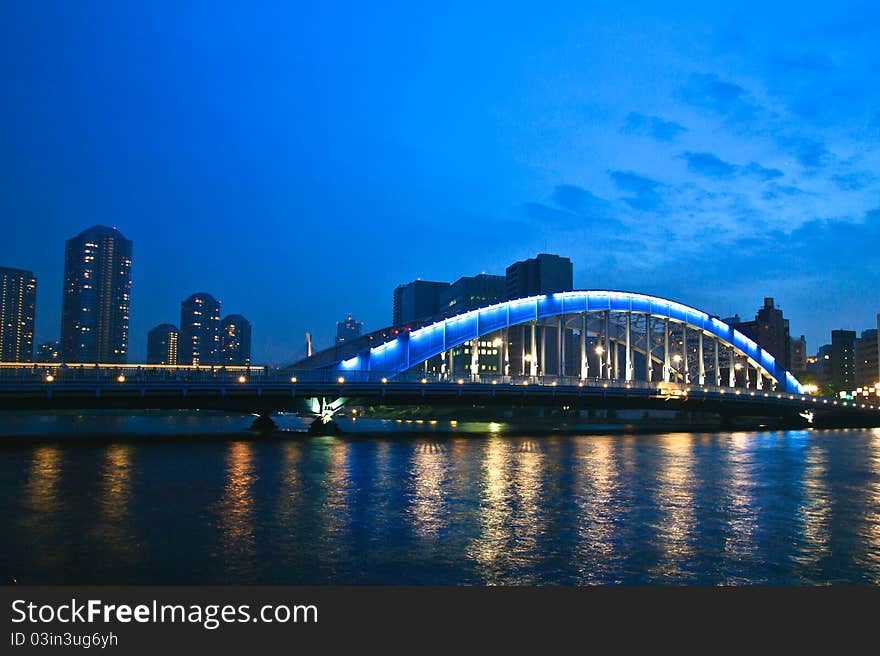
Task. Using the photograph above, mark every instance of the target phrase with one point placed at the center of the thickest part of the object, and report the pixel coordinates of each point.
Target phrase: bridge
(572, 350)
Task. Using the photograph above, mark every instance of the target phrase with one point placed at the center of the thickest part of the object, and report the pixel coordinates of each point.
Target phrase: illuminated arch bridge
(586, 335)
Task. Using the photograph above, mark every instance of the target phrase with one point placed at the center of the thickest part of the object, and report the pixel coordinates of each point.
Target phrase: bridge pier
(264, 424)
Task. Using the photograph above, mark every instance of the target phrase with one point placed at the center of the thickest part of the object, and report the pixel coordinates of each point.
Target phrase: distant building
(199, 330)
(799, 355)
(162, 344)
(18, 307)
(843, 359)
(49, 352)
(419, 299)
(769, 329)
(470, 292)
(867, 368)
(97, 288)
(822, 366)
(235, 340)
(348, 330)
(544, 274)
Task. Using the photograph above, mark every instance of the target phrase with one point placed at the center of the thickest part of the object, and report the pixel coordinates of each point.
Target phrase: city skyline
(646, 144)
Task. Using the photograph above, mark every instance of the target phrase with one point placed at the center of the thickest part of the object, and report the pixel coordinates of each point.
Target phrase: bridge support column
(649, 349)
(585, 365)
(450, 365)
(475, 358)
(628, 373)
(533, 363)
(542, 363)
(560, 347)
(701, 367)
(506, 337)
(759, 383)
(732, 367)
(608, 369)
(667, 369)
(684, 354)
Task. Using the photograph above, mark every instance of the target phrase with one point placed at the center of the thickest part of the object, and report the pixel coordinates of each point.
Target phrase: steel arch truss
(676, 342)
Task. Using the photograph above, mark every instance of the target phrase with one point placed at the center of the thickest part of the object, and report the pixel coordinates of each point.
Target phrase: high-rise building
(235, 340)
(162, 344)
(544, 274)
(419, 299)
(843, 360)
(770, 330)
(470, 292)
(867, 366)
(798, 356)
(199, 330)
(18, 306)
(348, 330)
(823, 368)
(97, 288)
(49, 352)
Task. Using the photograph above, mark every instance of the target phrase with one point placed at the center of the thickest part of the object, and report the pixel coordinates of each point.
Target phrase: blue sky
(299, 161)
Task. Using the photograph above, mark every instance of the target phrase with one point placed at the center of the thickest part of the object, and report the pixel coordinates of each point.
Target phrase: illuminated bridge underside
(676, 343)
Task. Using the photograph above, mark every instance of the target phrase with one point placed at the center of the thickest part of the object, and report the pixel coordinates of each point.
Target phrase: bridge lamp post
(121, 378)
(599, 353)
(242, 379)
(50, 378)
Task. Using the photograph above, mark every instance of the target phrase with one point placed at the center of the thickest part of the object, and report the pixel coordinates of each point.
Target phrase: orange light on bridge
(460, 381)
(50, 378)
(340, 380)
(384, 380)
(242, 379)
(120, 378)
(293, 379)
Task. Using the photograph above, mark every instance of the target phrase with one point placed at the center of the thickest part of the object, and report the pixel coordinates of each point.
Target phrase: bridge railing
(149, 374)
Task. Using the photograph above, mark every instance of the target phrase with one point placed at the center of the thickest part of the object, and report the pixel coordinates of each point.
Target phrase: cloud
(775, 191)
(645, 190)
(709, 165)
(573, 206)
(580, 201)
(855, 181)
(708, 91)
(762, 173)
(810, 152)
(651, 126)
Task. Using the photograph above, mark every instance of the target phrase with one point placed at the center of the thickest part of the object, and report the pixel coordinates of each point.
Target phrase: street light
(242, 379)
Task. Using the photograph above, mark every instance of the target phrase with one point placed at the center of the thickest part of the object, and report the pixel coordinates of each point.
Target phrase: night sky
(300, 161)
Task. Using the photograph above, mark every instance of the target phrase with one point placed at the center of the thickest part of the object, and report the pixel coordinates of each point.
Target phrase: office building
(867, 367)
(18, 306)
(417, 300)
(235, 340)
(348, 330)
(162, 344)
(199, 330)
(843, 360)
(769, 330)
(471, 292)
(95, 305)
(49, 352)
(798, 356)
(544, 274)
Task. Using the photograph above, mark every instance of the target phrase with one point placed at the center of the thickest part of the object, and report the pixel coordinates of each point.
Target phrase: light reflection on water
(727, 508)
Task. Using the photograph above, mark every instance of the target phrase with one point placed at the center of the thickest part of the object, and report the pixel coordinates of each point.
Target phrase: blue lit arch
(412, 348)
